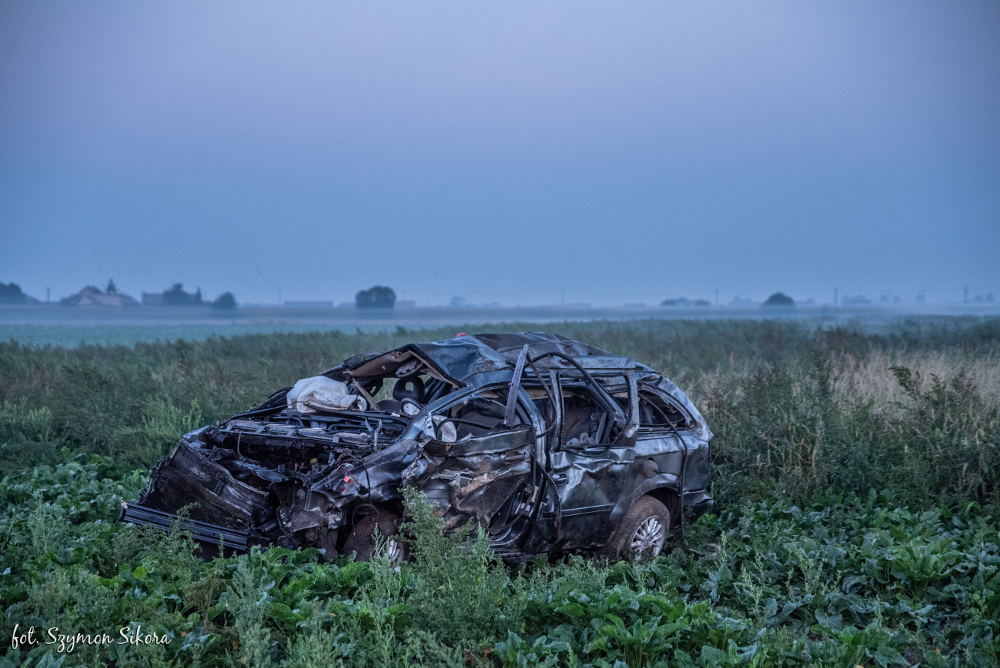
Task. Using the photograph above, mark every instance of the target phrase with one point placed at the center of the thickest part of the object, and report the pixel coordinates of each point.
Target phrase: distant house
(91, 296)
(175, 296)
(406, 303)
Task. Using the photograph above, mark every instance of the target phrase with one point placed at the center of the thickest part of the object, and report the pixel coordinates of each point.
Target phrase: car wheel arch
(647, 522)
(663, 487)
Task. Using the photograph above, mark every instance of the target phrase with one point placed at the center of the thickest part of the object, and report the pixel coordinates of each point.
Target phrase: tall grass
(912, 408)
(801, 429)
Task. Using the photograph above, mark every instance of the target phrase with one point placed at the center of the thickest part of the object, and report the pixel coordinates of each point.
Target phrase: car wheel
(643, 531)
(361, 538)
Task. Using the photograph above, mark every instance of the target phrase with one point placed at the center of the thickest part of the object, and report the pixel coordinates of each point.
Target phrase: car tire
(643, 531)
(361, 538)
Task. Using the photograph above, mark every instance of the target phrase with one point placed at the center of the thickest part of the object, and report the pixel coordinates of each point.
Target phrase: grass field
(856, 476)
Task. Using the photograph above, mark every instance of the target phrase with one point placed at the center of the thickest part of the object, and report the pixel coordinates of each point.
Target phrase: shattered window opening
(482, 412)
(655, 411)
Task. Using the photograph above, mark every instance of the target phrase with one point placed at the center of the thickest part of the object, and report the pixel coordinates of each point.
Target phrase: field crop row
(835, 582)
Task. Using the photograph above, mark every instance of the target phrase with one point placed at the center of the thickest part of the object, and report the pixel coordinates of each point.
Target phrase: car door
(472, 479)
(591, 461)
(475, 466)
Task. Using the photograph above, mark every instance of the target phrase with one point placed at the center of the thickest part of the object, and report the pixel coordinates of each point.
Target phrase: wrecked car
(552, 445)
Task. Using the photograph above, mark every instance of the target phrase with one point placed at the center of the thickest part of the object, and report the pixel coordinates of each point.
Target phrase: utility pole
(46, 295)
(835, 298)
(563, 296)
(966, 291)
(717, 296)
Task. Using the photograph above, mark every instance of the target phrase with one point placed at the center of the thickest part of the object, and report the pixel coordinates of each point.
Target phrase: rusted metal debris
(551, 444)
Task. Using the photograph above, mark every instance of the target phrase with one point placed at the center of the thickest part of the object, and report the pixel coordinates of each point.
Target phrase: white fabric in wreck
(320, 393)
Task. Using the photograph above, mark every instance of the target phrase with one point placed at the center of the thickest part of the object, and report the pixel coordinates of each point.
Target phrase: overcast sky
(622, 152)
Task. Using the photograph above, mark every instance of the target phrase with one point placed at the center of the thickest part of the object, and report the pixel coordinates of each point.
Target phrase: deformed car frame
(553, 445)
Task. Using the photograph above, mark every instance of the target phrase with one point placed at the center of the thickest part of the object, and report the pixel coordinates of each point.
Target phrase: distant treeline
(11, 293)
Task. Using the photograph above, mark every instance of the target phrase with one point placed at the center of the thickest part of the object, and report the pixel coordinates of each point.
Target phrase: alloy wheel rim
(648, 538)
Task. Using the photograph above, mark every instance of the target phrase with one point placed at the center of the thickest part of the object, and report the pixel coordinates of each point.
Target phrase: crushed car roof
(474, 359)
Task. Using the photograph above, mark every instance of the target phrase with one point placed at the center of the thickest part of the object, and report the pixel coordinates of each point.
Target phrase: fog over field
(519, 154)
